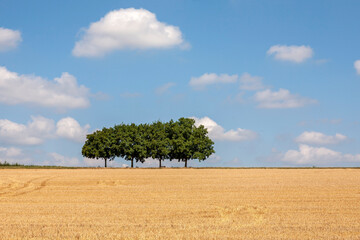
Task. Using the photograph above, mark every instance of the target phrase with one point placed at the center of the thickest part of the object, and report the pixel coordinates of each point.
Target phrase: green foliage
(131, 142)
(6, 164)
(190, 142)
(158, 142)
(180, 140)
(100, 145)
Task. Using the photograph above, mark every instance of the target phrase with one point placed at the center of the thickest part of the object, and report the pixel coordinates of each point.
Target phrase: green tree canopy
(100, 145)
(131, 142)
(158, 142)
(180, 140)
(190, 142)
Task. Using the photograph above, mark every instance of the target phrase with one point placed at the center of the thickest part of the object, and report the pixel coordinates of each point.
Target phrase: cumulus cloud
(164, 88)
(10, 152)
(281, 99)
(38, 129)
(13, 155)
(9, 39)
(317, 155)
(69, 128)
(33, 133)
(61, 93)
(357, 66)
(211, 78)
(127, 29)
(320, 138)
(250, 83)
(217, 132)
(292, 53)
(60, 160)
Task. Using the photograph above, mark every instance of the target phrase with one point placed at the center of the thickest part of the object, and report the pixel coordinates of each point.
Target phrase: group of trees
(174, 140)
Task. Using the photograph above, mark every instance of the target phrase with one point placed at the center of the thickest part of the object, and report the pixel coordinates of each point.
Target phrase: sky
(276, 83)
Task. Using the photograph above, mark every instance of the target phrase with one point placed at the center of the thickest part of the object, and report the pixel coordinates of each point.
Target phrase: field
(180, 203)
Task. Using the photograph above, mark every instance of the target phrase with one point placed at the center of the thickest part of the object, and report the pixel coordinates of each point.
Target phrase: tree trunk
(105, 162)
(159, 163)
(186, 163)
(132, 163)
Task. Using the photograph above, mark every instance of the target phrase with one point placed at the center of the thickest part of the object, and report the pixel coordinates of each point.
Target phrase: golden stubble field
(180, 204)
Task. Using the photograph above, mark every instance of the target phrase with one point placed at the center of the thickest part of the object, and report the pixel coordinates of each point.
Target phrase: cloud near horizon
(9, 39)
(320, 138)
(318, 155)
(217, 132)
(39, 129)
(128, 28)
(60, 160)
(10, 152)
(61, 93)
(13, 155)
(297, 54)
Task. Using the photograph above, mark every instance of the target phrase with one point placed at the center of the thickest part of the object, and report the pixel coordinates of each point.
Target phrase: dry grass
(180, 204)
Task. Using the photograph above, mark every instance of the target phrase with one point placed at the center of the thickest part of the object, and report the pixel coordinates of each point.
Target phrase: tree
(202, 146)
(189, 142)
(180, 140)
(158, 142)
(100, 145)
(131, 142)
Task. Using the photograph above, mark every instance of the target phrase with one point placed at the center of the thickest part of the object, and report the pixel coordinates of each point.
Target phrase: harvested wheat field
(180, 203)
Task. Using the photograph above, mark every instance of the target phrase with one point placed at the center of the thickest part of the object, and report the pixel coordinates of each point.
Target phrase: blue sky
(275, 82)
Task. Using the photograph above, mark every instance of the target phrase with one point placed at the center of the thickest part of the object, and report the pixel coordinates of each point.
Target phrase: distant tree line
(174, 140)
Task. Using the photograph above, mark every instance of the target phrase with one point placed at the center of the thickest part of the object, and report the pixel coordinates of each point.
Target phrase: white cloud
(357, 66)
(92, 162)
(127, 29)
(164, 88)
(39, 128)
(250, 83)
(211, 78)
(217, 132)
(317, 155)
(69, 128)
(281, 99)
(13, 155)
(320, 138)
(61, 93)
(292, 53)
(10, 152)
(31, 134)
(247, 82)
(60, 160)
(9, 39)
